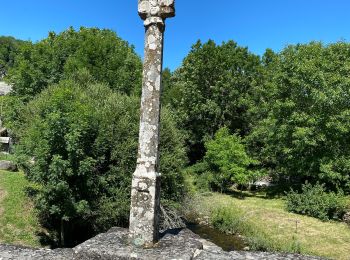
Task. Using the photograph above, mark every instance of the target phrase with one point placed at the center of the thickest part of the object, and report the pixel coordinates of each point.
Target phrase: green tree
(305, 132)
(106, 57)
(228, 160)
(8, 50)
(215, 84)
(84, 142)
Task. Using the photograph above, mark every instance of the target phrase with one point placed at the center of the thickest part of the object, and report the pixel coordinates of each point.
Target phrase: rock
(346, 218)
(8, 166)
(114, 244)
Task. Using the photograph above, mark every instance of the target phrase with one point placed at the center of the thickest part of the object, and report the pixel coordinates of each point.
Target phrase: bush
(84, 143)
(225, 162)
(10, 109)
(314, 201)
(199, 177)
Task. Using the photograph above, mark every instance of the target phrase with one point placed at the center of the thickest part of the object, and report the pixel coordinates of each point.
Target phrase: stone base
(174, 244)
(114, 245)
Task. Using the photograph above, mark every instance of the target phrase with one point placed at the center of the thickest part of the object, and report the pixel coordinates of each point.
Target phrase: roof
(5, 140)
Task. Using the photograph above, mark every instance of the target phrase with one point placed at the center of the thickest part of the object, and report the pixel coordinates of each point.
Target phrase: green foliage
(212, 89)
(314, 201)
(199, 178)
(226, 162)
(18, 218)
(84, 143)
(106, 57)
(8, 50)
(304, 127)
(231, 220)
(10, 108)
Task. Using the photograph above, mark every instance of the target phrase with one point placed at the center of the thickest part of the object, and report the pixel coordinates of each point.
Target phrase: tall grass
(18, 221)
(266, 225)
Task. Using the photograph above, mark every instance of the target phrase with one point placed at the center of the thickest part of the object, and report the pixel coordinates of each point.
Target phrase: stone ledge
(10, 252)
(114, 244)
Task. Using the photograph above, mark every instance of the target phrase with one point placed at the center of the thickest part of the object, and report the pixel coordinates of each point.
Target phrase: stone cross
(145, 190)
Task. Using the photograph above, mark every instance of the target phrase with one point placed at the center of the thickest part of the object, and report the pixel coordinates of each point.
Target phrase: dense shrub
(225, 163)
(314, 201)
(84, 143)
(11, 107)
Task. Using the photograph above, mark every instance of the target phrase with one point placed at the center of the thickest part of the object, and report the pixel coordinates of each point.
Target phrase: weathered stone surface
(180, 244)
(8, 166)
(209, 255)
(9, 252)
(346, 218)
(174, 244)
(156, 8)
(145, 190)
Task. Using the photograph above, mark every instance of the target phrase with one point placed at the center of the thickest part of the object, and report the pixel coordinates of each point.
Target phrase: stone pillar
(145, 191)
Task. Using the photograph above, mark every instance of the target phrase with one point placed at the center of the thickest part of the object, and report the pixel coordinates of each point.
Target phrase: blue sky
(256, 24)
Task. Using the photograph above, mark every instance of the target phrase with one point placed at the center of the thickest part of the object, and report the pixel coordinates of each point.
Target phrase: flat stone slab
(174, 244)
(9, 252)
(242, 255)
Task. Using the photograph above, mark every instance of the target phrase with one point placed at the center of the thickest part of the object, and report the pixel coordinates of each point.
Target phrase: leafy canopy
(306, 131)
(213, 88)
(106, 57)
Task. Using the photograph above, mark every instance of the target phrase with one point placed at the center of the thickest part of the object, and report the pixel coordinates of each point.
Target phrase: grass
(268, 226)
(6, 157)
(18, 222)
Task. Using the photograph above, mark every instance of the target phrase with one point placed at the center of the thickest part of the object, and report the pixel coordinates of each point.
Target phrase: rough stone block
(8, 166)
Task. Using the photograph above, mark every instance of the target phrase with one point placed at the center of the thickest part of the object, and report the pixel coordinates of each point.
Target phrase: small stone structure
(113, 245)
(145, 192)
(5, 144)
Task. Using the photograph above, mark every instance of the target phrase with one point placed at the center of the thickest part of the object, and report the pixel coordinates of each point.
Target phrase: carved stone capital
(153, 20)
(156, 8)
